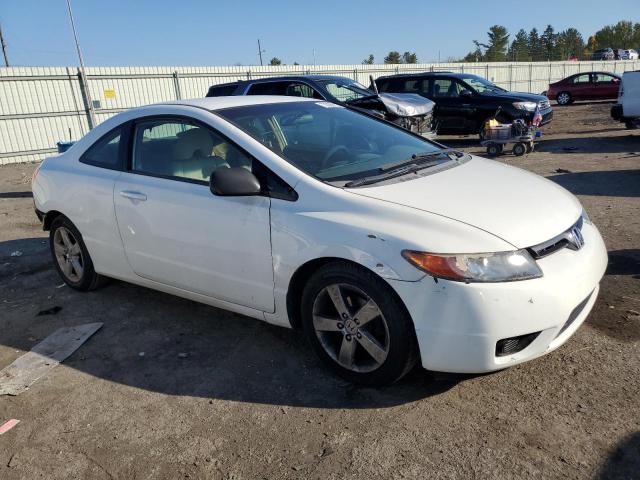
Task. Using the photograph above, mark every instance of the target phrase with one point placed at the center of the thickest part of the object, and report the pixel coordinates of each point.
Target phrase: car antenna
(373, 87)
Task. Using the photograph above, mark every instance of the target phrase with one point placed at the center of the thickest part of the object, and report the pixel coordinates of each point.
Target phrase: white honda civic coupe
(382, 247)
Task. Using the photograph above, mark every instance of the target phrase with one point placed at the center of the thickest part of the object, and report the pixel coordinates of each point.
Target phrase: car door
(581, 87)
(176, 232)
(454, 112)
(606, 86)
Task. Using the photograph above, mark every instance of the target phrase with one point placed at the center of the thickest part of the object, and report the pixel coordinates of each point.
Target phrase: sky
(221, 32)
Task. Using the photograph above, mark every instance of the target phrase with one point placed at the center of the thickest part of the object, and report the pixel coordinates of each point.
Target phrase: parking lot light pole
(4, 48)
(83, 76)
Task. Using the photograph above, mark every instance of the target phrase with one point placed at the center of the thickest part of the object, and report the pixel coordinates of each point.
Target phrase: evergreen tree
(408, 57)
(535, 46)
(369, 60)
(570, 44)
(496, 49)
(519, 49)
(393, 57)
(548, 42)
(275, 61)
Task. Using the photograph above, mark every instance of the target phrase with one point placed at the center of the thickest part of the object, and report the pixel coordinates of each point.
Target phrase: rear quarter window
(108, 151)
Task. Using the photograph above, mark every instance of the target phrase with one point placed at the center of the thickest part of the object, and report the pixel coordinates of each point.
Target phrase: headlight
(476, 267)
(585, 217)
(530, 106)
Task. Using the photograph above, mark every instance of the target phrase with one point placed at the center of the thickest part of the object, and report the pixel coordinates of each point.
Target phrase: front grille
(544, 104)
(575, 313)
(509, 346)
(571, 238)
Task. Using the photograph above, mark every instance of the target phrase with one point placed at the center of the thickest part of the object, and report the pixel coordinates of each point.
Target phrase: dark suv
(464, 101)
(410, 111)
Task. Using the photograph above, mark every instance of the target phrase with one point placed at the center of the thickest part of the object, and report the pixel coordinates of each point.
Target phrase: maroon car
(585, 86)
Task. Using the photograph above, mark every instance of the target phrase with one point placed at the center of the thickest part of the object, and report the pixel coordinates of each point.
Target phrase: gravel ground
(217, 395)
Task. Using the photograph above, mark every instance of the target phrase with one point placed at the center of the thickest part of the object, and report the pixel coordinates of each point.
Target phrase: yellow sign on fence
(109, 93)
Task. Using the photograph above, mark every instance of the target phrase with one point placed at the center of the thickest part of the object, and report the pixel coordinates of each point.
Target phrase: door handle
(141, 197)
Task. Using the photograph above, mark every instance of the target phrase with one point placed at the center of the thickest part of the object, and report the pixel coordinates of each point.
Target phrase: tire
(519, 149)
(631, 125)
(530, 147)
(493, 150)
(71, 257)
(375, 352)
(564, 98)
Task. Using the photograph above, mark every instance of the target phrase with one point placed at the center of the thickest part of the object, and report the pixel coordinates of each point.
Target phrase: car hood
(399, 104)
(517, 96)
(517, 206)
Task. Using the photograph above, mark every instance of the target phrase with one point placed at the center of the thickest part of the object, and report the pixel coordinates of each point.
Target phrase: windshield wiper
(419, 158)
(417, 162)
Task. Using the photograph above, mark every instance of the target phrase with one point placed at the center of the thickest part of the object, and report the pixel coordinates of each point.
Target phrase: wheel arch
(49, 217)
(304, 272)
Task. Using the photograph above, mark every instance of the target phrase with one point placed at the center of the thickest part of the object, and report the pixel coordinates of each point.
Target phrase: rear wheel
(357, 325)
(71, 257)
(519, 149)
(564, 98)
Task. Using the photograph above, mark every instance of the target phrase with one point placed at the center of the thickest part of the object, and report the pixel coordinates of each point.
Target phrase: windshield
(345, 90)
(481, 85)
(329, 141)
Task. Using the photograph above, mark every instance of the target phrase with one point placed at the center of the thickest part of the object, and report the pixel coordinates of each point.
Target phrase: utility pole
(260, 52)
(4, 49)
(314, 57)
(83, 76)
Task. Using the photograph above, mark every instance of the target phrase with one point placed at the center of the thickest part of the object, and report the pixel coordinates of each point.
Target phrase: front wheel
(71, 257)
(519, 149)
(357, 325)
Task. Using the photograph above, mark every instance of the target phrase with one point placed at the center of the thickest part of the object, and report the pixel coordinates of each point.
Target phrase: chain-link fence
(40, 106)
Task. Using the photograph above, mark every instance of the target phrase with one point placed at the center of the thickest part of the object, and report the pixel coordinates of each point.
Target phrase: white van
(627, 109)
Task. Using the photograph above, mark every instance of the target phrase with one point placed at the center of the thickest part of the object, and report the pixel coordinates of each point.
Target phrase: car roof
(218, 103)
(428, 74)
(294, 78)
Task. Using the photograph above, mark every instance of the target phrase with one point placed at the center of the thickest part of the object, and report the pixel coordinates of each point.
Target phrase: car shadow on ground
(609, 183)
(629, 144)
(173, 346)
(16, 194)
(624, 461)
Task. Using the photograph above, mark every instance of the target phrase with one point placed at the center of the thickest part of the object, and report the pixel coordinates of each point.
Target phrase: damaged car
(410, 111)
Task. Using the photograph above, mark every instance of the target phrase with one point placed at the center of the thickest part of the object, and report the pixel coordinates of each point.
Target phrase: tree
(535, 46)
(519, 49)
(496, 49)
(475, 56)
(591, 46)
(408, 57)
(624, 34)
(369, 60)
(275, 61)
(548, 41)
(393, 57)
(569, 44)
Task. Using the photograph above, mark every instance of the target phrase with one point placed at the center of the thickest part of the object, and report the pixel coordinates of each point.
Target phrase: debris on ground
(17, 253)
(27, 369)
(49, 311)
(8, 425)
(562, 170)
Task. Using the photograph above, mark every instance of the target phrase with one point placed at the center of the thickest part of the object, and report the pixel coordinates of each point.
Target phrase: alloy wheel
(563, 98)
(68, 254)
(351, 327)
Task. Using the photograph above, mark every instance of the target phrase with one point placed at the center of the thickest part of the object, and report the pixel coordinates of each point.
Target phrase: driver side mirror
(466, 93)
(234, 182)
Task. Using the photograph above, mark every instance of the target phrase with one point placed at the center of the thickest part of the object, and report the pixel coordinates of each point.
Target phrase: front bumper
(547, 116)
(458, 325)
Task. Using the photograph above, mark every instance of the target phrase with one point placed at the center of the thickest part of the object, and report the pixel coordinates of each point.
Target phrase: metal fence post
(530, 77)
(176, 84)
(86, 99)
(486, 71)
(511, 76)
